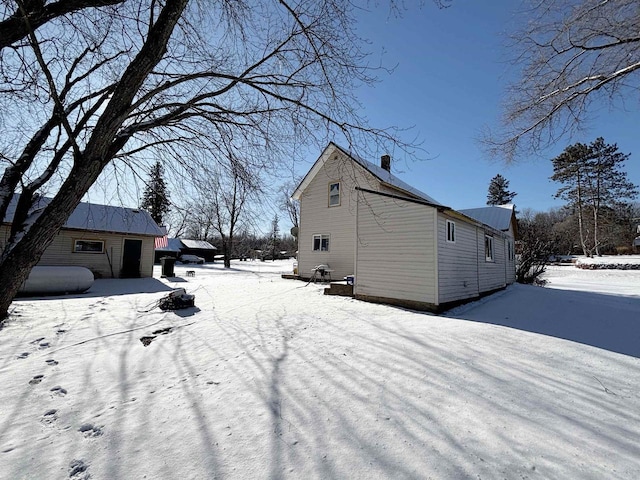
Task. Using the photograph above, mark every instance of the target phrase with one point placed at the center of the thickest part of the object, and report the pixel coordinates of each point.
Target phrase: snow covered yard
(268, 378)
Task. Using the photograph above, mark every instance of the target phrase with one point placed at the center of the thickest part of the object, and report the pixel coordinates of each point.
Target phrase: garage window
(88, 246)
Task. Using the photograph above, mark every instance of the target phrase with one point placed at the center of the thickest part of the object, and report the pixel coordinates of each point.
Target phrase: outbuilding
(110, 241)
(183, 246)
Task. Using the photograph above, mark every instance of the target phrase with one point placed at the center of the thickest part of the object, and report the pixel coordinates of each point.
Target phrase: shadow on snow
(604, 321)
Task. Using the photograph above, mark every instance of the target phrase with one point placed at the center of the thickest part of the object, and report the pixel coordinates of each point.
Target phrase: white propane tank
(57, 280)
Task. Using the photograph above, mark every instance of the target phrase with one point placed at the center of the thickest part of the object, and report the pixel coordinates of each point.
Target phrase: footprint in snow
(91, 430)
(50, 416)
(23, 355)
(36, 379)
(51, 362)
(78, 470)
(58, 390)
(37, 340)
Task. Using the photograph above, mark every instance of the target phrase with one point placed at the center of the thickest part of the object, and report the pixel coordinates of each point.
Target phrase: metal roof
(177, 244)
(200, 244)
(498, 217)
(380, 173)
(101, 218)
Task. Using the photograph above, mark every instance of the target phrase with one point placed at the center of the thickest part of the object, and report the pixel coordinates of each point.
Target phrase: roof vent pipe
(385, 162)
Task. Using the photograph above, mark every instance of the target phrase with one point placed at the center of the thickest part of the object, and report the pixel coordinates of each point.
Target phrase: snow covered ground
(268, 378)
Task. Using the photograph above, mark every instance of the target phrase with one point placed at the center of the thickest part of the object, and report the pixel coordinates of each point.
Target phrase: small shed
(110, 241)
(183, 246)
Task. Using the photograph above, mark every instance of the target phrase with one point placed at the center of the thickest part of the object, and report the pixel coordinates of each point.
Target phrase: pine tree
(607, 183)
(569, 168)
(156, 196)
(275, 236)
(592, 178)
(499, 193)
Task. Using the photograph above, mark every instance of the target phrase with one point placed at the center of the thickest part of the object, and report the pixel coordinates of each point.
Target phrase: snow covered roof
(173, 245)
(100, 218)
(498, 217)
(380, 173)
(200, 244)
(177, 244)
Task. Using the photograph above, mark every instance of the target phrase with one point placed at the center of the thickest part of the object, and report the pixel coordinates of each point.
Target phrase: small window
(510, 249)
(321, 243)
(451, 231)
(488, 248)
(88, 246)
(334, 194)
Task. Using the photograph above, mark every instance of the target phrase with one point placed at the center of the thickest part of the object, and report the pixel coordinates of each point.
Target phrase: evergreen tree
(592, 179)
(569, 169)
(607, 183)
(156, 196)
(499, 193)
(275, 237)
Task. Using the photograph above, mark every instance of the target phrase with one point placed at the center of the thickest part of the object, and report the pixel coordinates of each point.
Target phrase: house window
(488, 248)
(451, 231)
(321, 243)
(334, 194)
(510, 249)
(88, 246)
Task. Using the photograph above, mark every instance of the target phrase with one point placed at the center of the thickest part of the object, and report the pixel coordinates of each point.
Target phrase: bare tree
(571, 53)
(536, 247)
(223, 206)
(95, 85)
(287, 204)
(21, 18)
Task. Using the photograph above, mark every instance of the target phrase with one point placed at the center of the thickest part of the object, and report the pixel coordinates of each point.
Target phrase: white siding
(60, 252)
(316, 217)
(463, 270)
(510, 264)
(395, 250)
(492, 273)
(457, 261)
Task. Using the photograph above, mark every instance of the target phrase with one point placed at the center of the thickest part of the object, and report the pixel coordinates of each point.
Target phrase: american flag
(162, 242)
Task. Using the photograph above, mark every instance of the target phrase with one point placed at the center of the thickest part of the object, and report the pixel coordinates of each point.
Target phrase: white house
(110, 241)
(402, 246)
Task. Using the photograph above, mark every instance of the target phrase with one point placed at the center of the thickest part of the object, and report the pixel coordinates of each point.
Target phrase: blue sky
(449, 82)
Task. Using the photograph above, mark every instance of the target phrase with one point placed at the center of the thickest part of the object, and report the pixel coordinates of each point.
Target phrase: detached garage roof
(100, 218)
(177, 244)
(498, 217)
(200, 244)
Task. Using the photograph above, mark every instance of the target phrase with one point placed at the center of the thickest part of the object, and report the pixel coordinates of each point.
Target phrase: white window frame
(451, 231)
(488, 248)
(321, 237)
(332, 204)
(87, 240)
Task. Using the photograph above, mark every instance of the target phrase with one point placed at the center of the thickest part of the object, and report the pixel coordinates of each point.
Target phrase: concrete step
(341, 289)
